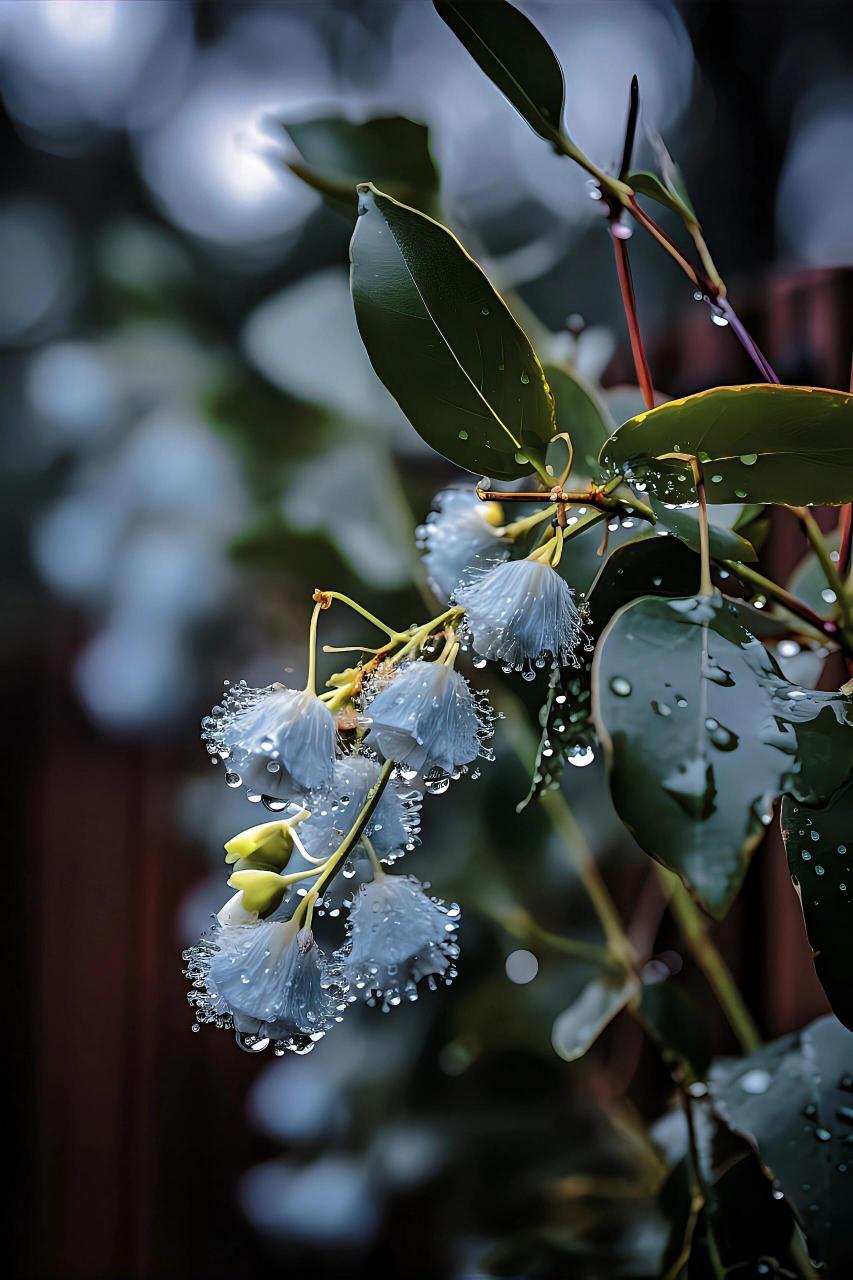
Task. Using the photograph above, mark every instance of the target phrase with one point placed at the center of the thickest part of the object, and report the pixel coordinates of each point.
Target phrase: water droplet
(621, 687)
(749, 459)
(525, 378)
(756, 1081)
(463, 435)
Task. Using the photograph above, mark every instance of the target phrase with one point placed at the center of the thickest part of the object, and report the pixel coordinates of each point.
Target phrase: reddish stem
(626, 287)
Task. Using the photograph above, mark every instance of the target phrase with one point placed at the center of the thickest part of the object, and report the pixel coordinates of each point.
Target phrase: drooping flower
(521, 613)
(268, 980)
(280, 742)
(397, 936)
(393, 826)
(429, 720)
(461, 534)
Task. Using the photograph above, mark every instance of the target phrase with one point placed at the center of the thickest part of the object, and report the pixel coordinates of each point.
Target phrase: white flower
(397, 936)
(459, 535)
(428, 719)
(393, 826)
(520, 613)
(280, 742)
(269, 980)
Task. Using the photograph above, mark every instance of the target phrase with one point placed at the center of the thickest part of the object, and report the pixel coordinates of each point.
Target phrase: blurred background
(192, 441)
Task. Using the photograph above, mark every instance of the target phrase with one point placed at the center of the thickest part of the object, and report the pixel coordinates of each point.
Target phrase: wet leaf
(390, 151)
(757, 443)
(756, 1244)
(514, 55)
(637, 568)
(792, 1101)
(683, 523)
(819, 845)
(703, 732)
(578, 1027)
(444, 343)
(581, 415)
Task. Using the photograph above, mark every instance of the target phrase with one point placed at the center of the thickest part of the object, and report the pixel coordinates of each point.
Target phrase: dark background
(131, 1136)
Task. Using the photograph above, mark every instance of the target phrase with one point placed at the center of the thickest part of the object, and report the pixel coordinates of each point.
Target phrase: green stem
(694, 929)
(351, 839)
(823, 626)
(706, 586)
(814, 533)
(311, 682)
(328, 596)
(563, 820)
(525, 928)
(519, 527)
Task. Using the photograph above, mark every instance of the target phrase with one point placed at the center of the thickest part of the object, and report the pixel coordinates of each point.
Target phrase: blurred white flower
(397, 936)
(330, 1202)
(460, 534)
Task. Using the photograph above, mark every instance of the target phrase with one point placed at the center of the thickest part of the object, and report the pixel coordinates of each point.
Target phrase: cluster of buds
(344, 772)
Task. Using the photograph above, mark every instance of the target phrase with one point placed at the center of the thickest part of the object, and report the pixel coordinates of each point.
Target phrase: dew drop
(756, 1081)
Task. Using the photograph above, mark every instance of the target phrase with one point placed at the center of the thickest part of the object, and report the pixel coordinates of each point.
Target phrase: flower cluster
(344, 772)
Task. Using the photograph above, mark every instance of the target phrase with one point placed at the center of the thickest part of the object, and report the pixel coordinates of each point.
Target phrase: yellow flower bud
(493, 513)
(262, 890)
(266, 847)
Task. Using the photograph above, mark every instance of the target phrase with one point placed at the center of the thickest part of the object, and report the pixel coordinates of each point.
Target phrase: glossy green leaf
(703, 732)
(757, 443)
(792, 1101)
(444, 343)
(683, 523)
(641, 567)
(761, 1243)
(582, 416)
(514, 55)
(578, 1027)
(390, 151)
(649, 184)
(819, 845)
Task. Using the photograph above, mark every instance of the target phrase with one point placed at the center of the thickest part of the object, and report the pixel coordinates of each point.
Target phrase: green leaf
(819, 845)
(581, 415)
(514, 55)
(683, 523)
(758, 443)
(577, 1028)
(760, 1243)
(792, 1101)
(649, 184)
(391, 151)
(703, 732)
(640, 567)
(444, 343)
